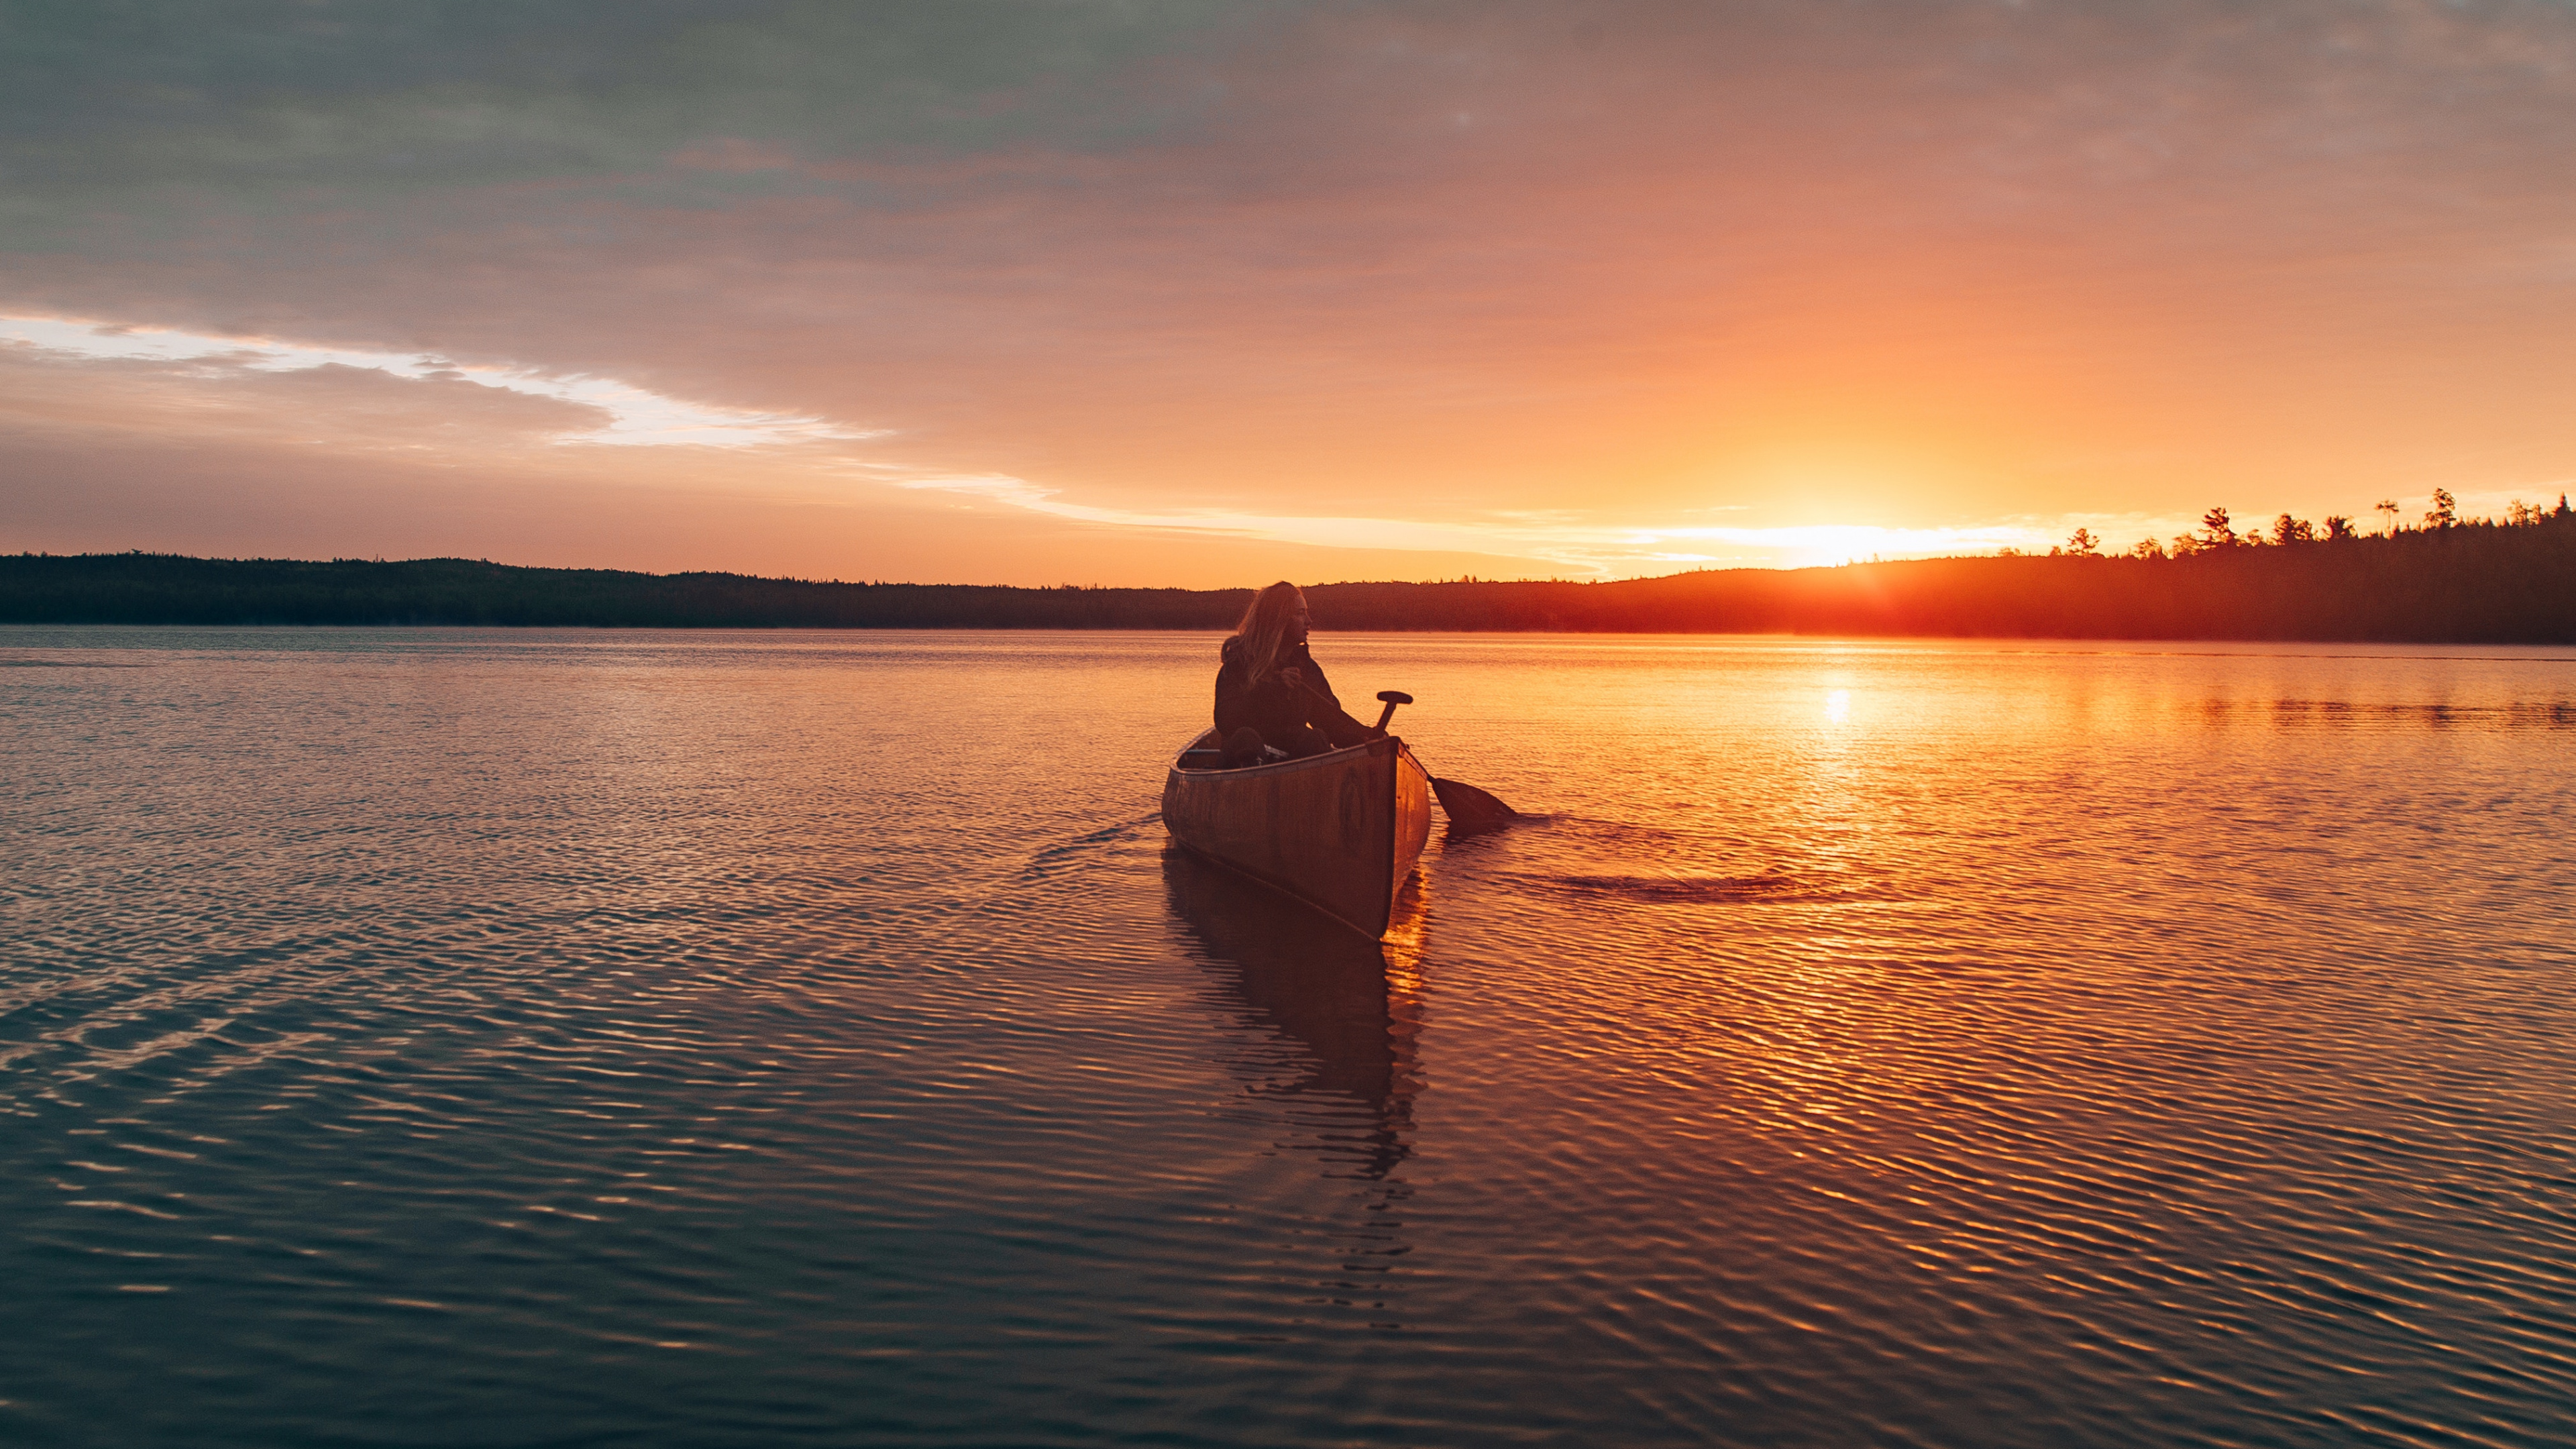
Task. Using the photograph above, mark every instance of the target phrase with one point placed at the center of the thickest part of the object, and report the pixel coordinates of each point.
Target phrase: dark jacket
(1268, 705)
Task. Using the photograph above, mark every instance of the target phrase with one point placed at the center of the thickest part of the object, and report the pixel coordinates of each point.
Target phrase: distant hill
(2472, 582)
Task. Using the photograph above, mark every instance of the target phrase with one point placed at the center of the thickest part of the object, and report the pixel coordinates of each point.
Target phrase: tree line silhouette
(2448, 579)
(2218, 532)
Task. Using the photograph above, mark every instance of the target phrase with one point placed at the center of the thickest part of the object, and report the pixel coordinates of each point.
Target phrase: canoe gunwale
(1277, 768)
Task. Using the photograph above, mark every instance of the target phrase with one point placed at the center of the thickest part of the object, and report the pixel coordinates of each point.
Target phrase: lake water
(454, 1037)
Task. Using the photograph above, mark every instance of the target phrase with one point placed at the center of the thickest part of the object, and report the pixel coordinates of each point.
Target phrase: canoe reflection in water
(1351, 1007)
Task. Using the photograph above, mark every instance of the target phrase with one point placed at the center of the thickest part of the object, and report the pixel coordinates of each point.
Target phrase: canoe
(1339, 831)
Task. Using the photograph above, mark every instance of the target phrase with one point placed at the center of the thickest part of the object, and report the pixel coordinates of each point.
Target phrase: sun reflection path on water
(2051, 1007)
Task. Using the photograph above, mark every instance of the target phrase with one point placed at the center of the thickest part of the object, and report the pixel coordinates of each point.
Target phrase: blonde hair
(1263, 635)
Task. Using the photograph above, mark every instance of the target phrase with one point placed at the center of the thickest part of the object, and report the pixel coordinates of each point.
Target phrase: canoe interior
(1340, 831)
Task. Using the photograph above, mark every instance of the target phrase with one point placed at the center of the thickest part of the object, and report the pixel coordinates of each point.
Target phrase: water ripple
(545, 1036)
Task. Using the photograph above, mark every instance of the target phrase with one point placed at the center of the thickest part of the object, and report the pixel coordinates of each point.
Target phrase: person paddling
(1271, 692)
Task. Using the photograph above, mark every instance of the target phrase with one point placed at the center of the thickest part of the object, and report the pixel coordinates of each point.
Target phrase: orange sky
(1208, 293)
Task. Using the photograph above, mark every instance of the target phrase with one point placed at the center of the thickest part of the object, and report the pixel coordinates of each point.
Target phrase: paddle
(1469, 808)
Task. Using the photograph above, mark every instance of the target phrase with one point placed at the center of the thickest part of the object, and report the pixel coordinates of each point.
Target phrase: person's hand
(1295, 679)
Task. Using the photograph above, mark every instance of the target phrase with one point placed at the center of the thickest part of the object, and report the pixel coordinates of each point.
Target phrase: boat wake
(1047, 859)
(1762, 886)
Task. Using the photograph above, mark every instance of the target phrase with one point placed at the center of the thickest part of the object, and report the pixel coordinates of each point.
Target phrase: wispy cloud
(633, 416)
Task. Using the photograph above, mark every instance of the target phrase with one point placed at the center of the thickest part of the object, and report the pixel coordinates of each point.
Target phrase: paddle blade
(1470, 808)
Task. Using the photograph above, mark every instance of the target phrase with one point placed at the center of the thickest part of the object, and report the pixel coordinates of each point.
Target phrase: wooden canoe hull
(1340, 831)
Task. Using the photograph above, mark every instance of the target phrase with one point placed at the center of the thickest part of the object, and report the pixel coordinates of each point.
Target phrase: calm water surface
(555, 1038)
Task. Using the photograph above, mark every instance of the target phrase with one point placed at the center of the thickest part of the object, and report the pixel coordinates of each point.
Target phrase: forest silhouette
(2447, 579)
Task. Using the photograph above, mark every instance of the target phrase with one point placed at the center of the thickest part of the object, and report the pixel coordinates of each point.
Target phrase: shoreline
(2477, 583)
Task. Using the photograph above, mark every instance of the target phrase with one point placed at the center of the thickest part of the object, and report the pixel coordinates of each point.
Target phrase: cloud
(570, 407)
(731, 153)
(1540, 278)
(279, 95)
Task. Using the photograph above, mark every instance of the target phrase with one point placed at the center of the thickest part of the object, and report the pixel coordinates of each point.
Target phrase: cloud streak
(604, 410)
